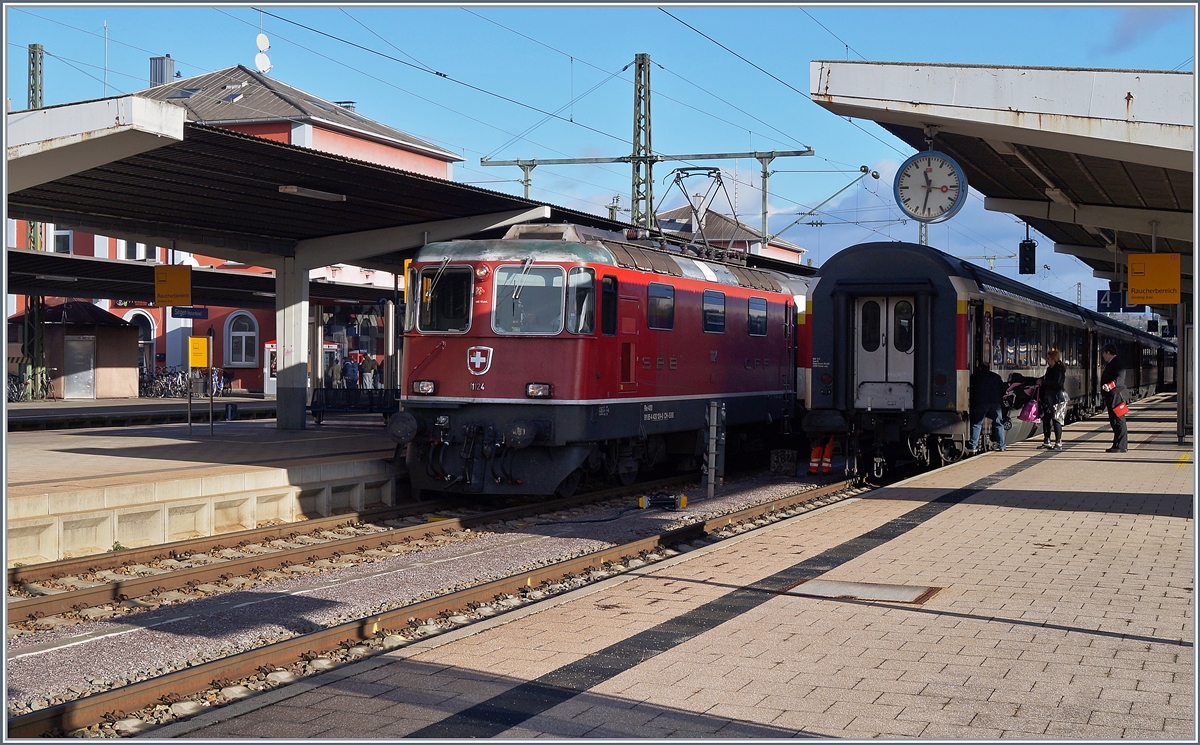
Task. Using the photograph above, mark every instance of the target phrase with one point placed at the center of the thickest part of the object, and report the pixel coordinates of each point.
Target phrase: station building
(243, 100)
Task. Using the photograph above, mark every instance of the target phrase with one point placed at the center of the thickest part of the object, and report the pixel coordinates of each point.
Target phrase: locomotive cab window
(660, 311)
(581, 301)
(902, 334)
(445, 299)
(870, 326)
(756, 321)
(608, 306)
(528, 299)
(714, 312)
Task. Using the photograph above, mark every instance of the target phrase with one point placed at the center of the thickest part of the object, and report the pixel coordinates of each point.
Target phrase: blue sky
(569, 60)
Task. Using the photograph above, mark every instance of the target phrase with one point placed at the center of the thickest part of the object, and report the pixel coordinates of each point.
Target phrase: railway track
(262, 550)
(367, 633)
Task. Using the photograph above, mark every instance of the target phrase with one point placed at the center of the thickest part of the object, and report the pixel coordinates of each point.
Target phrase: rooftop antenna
(105, 59)
(261, 60)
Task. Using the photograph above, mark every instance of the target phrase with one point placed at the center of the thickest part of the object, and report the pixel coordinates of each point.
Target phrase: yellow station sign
(198, 351)
(1153, 279)
(172, 285)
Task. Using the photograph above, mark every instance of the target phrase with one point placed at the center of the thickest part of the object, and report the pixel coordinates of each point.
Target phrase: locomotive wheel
(569, 484)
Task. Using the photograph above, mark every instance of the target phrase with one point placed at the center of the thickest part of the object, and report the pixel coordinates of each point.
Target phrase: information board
(198, 351)
(172, 285)
(1154, 279)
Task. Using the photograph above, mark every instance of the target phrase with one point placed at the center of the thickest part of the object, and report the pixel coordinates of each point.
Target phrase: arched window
(241, 340)
(145, 327)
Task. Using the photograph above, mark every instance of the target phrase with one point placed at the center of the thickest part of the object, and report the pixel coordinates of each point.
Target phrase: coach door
(883, 364)
(629, 311)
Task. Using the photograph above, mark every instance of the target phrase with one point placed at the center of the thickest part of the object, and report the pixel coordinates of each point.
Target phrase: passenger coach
(898, 328)
(560, 351)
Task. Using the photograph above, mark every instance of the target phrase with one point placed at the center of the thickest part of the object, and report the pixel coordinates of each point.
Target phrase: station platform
(124, 412)
(1050, 596)
(81, 491)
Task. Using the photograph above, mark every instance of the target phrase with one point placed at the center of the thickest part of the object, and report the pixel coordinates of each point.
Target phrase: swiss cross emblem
(479, 360)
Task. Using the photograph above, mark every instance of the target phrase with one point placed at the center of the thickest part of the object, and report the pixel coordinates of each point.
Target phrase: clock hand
(928, 188)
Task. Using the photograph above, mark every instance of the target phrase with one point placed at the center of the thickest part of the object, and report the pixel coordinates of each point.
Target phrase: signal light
(1027, 257)
(826, 379)
(939, 380)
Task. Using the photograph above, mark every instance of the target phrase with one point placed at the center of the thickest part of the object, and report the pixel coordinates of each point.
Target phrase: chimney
(162, 70)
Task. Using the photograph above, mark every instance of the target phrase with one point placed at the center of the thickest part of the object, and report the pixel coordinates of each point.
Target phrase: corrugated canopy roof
(219, 189)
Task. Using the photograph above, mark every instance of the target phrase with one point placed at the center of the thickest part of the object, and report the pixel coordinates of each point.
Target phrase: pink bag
(1030, 412)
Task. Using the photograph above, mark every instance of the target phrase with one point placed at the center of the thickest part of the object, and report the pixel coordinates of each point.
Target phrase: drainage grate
(824, 588)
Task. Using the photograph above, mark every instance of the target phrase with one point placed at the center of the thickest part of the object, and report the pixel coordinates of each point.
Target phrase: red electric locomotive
(561, 350)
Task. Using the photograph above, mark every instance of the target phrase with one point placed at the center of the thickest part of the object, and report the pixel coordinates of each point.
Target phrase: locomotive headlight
(481, 272)
(940, 380)
(424, 387)
(442, 420)
(539, 390)
(826, 379)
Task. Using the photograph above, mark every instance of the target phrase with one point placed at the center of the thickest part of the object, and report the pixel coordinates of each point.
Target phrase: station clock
(930, 187)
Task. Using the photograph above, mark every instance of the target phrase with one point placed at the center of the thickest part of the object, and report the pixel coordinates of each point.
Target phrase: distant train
(897, 329)
(561, 351)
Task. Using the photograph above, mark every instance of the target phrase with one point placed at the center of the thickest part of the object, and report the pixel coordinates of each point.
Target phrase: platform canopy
(202, 189)
(1100, 161)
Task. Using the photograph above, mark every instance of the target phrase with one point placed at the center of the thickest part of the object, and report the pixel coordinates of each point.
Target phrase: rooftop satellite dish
(262, 62)
(263, 43)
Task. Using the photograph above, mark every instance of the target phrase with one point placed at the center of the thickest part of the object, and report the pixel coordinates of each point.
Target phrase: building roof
(239, 95)
(720, 227)
(77, 312)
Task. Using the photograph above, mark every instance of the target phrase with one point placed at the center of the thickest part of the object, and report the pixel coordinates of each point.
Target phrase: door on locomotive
(630, 310)
(883, 366)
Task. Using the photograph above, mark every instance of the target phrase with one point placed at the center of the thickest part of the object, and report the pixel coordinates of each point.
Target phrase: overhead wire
(439, 74)
(102, 36)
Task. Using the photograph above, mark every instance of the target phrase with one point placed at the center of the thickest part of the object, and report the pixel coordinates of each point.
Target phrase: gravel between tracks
(137, 646)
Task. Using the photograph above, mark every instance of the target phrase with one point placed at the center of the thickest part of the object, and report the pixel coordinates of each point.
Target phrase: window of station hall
(241, 340)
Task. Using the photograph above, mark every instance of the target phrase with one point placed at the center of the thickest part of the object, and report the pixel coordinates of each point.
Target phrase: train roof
(988, 280)
(580, 244)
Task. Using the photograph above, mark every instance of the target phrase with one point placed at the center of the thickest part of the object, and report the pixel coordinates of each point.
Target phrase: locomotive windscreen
(529, 300)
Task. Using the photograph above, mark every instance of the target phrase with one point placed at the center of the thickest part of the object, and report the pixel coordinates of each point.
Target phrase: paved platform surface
(42, 462)
(1065, 610)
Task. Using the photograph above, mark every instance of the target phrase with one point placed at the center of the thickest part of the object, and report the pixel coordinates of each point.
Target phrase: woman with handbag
(1052, 385)
(1112, 385)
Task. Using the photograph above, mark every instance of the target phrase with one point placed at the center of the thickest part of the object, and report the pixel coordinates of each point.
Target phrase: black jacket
(1114, 372)
(1052, 383)
(987, 392)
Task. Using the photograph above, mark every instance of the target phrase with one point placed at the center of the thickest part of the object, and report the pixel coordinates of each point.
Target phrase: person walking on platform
(336, 380)
(1112, 385)
(1053, 400)
(368, 367)
(987, 395)
(350, 372)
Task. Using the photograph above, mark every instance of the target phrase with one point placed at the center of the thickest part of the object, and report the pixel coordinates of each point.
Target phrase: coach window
(528, 299)
(445, 299)
(660, 311)
(870, 326)
(998, 340)
(1010, 341)
(756, 322)
(902, 335)
(714, 312)
(1022, 341)
(581, 301)
(1035, 344)
(608, 306)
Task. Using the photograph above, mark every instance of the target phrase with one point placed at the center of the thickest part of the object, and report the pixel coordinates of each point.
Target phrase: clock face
(930, 187)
